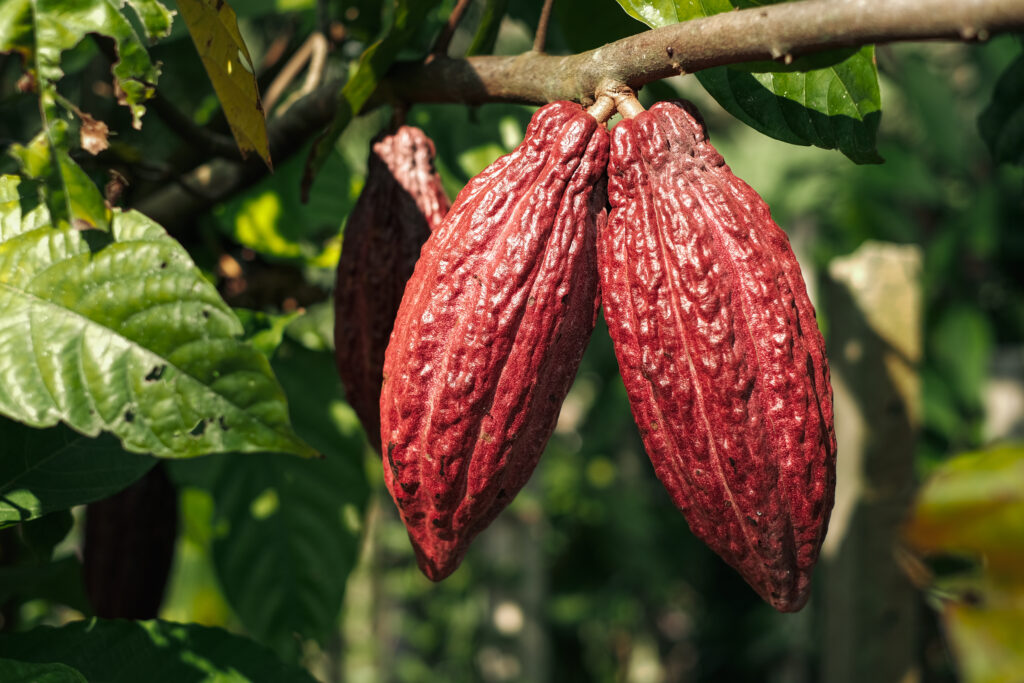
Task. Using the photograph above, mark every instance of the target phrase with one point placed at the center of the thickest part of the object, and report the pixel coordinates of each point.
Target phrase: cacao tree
(388, 341)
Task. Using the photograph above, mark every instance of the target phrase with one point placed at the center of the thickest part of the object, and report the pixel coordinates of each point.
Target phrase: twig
(314, 45)
(445, 37)
(755, 34)
(541, 37)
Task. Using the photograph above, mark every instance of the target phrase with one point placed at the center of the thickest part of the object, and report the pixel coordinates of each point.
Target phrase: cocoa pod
(720, 351)
(401, 202)
(490, 333)
(129, 547)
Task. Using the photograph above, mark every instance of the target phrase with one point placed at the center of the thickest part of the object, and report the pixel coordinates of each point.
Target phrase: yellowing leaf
(214, 30)
(974, 504)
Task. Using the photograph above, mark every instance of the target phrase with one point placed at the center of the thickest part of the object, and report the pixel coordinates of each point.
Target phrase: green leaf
(69, 193)
(59, 581)
(110, 651)
(487, 32)
(156, 19)
(214, 30)
(120, 332)
(985, 632)
(40, 30)
(830, 100)
(974, 504)
(1002, 123)
(12, 671)
(265, 330)
(373, 64)
(45, 470)
(838, 107)
(291, 527)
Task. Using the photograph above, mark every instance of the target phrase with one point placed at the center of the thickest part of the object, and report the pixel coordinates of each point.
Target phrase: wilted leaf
(120, 332)
(156, 19)
(214, 30)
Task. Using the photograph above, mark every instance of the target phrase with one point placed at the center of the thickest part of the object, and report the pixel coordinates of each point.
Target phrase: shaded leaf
(487, 32)
(373, 64)
(214, 30)
(44, 470)
(59, 581)
(830, 100)
(120, 332)
(12, 671)
(974, 504)
(837, 107)
(292, 527)
(152, 651)
(265, 330)
(1002, 123)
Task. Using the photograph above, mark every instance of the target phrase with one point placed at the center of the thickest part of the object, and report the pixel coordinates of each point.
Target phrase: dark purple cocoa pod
(490, 333)
(129, 547)
(400, 204)
(719, 350)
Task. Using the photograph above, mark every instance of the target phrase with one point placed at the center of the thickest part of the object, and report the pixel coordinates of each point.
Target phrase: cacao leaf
(829, 100)
(285, 517)
(45, 470)
(13, 671)
(120, 332)
(214, 30)
(117, 651)
(1002, 122)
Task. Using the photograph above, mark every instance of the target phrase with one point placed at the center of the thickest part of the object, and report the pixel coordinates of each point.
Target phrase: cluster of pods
(459, 332)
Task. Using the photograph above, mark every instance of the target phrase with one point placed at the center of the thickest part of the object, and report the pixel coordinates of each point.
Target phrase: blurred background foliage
(592, 573)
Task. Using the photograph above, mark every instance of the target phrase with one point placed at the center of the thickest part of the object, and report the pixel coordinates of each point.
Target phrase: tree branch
(776, 32)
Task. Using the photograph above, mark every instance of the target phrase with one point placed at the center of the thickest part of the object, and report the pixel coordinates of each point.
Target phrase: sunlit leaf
(152, 651)
(39, 30)
(985, 632)
(156, 19)
(214, 29)
(12, 671)
(828, 100)
(291, 527)
(373, 64)
(120, 332)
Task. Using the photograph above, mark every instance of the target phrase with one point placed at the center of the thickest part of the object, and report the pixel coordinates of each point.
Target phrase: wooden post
(867, 606)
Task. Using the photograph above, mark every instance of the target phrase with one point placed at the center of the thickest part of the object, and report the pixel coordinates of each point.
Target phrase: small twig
(217, 144)
(445, 37)
(292, 69)
(540, 38)
(314, 73)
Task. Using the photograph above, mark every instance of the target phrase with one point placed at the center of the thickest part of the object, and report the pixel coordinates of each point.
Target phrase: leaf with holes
(120, 332)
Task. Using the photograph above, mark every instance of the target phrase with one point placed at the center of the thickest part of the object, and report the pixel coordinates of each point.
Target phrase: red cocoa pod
(719, 350)
(402, 201)
(490, 333)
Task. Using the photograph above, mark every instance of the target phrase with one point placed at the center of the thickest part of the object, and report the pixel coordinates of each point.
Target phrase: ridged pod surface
(720, 351)
(401, 202)
(490, 333)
